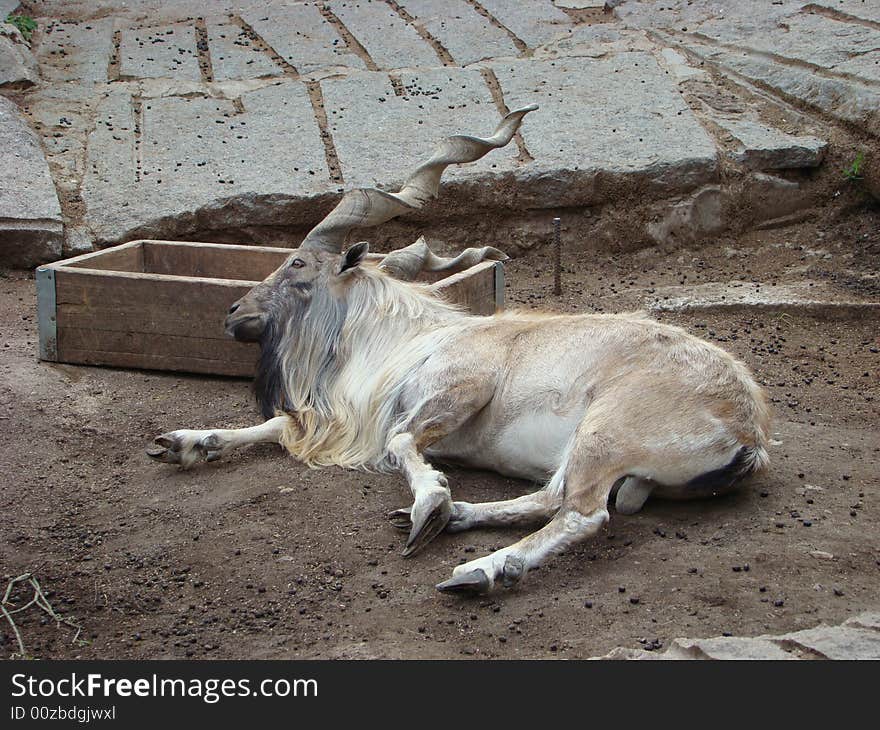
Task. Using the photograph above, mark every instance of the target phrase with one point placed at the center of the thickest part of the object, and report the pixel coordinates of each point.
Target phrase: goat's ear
(354, 256)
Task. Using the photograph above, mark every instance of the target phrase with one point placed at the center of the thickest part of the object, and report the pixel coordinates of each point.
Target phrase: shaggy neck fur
(338, 363)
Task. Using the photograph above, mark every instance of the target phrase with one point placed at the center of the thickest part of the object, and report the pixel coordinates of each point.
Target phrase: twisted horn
(370, 207)
(407, 263)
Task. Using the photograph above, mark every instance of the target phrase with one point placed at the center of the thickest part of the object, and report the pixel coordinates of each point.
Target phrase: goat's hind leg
(539, 507)
(591, 467)
(632, 494)
(187, 446)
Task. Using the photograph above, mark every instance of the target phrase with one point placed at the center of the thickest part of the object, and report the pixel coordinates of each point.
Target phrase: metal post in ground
(557, 258)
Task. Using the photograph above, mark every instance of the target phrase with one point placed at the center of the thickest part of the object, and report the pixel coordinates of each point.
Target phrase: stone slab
(535, 23)
(234, 54)
(201, 162)
(18, 67)
(865, 9)
(857, 638)
(468, 36)
(165, 51)
(75, 50)
(7, 7)
(30, 214)
(380, 137)
(869, 620)
(602, 118)
(810, 38)
(301, 36)
(390, 41)
(782, 44)
(728, 648)
(838, 642)
(765, 148)
(841, 98)
(712, 295)
(580, 4)
(742, 16)
(865, 66)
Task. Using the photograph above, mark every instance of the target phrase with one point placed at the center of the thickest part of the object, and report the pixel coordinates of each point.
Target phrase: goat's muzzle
(245, 323)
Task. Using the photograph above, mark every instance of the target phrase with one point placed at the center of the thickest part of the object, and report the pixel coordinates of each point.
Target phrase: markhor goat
(361, 369)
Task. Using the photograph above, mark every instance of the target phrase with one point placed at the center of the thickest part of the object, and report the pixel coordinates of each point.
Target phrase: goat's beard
(298, 354)
(269, 383)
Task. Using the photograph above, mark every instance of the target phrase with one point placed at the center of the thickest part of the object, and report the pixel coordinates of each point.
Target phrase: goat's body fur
(380, 372)
(546, 373)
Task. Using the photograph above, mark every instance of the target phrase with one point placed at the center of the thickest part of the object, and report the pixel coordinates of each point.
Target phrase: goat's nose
(234, 307)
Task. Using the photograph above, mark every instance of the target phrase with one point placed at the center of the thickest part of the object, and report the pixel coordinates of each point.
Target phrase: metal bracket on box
(46, 320)
(499, 286)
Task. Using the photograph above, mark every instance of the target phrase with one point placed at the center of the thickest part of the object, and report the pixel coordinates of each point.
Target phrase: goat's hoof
(165, 448)
(186, 447)
(514, 569)
(401, 519)
(462, 517)
(474, 581)
(429, 517)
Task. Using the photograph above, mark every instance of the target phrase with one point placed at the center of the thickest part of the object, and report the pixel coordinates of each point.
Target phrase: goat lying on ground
(360, 369)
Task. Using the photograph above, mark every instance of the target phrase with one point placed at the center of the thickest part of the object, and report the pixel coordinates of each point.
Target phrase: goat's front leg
(432, 505)
(434, 417)
(187, 446)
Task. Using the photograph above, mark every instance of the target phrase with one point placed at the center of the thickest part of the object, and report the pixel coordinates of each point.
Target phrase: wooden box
(160, 305)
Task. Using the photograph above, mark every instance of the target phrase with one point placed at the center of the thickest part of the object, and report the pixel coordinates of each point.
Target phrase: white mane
(345, 364)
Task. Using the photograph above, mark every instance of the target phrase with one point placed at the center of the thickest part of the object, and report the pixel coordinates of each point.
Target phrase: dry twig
(39, 599)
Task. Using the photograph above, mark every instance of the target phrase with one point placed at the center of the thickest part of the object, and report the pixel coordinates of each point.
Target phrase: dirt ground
(259, 557)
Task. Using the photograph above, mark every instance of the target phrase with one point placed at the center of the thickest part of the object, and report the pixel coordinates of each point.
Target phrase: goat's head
(289, 290)
(319, 265)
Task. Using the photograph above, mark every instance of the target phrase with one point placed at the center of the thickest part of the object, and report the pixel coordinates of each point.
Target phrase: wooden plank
(163, 361)
(473, 288)
(163, 352)
(158, 320)
(212, 260)
(125, 257)
(123, 289)
(199, 348)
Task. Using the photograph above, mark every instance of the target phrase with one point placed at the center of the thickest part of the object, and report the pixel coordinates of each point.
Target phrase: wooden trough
(160, 305)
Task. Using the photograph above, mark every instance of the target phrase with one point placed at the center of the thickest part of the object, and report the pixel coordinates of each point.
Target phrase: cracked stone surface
(468, 36)
(534, 23)
(235, 55)
(302, 37)
(166, 51)
(313, 96)
(858, 638)
(821, 54)
(201, 157)
(30, 215)
(391, 42)
(380, 136)
(628, 120)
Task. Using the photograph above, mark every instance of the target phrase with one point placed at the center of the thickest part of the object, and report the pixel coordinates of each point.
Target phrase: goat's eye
(297, 263)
